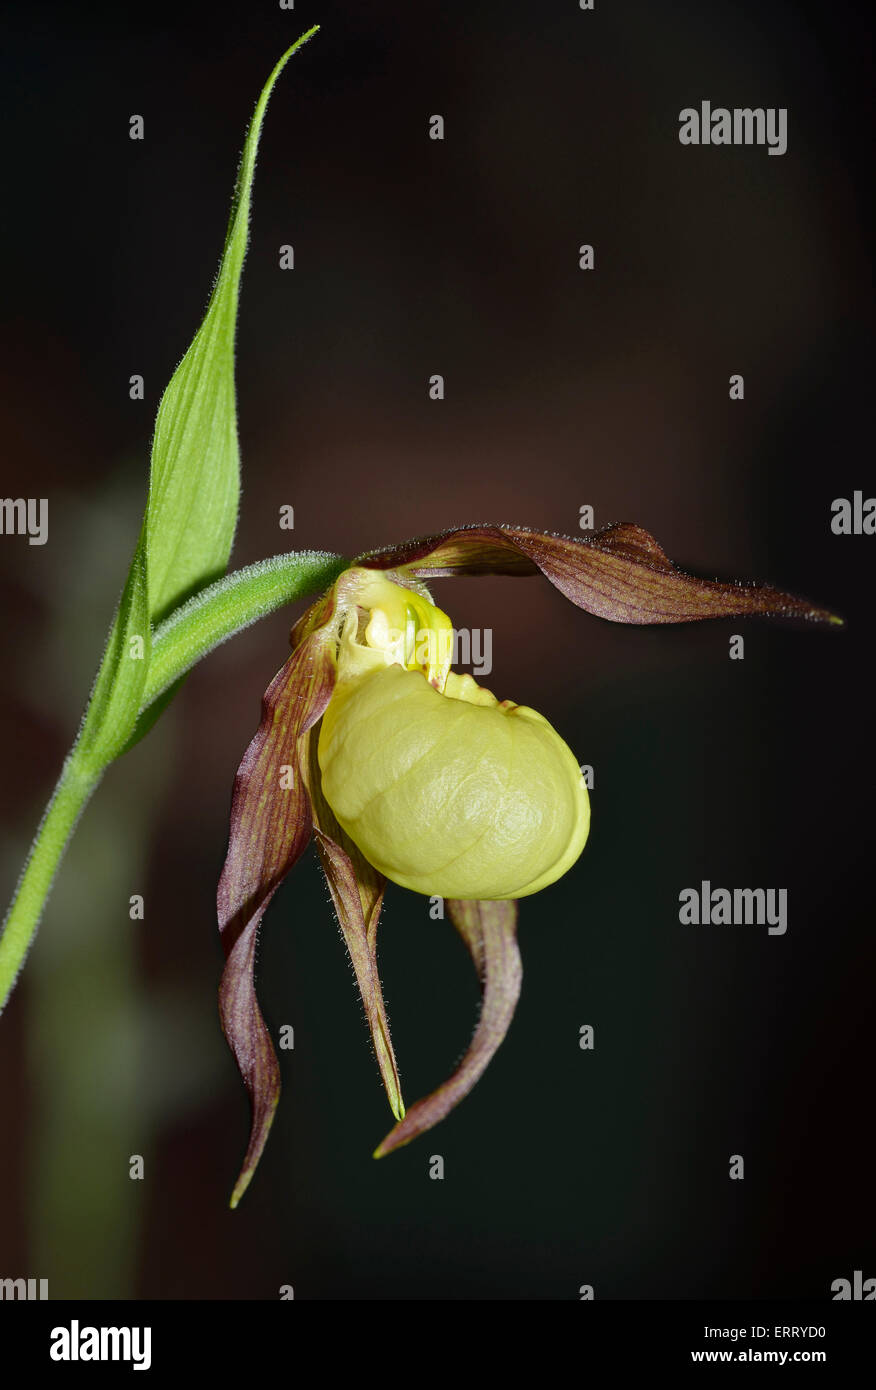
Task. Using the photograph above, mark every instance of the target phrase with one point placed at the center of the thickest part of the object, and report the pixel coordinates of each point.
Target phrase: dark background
(563, 388)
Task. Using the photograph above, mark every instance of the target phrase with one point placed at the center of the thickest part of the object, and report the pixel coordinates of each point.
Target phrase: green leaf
(233, 603)
(118, 691)
(194, 485)
(185, 542)
(219, 612)
(195, 481)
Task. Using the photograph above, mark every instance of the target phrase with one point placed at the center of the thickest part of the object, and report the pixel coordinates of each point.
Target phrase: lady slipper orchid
(443, 789)
(401, 769)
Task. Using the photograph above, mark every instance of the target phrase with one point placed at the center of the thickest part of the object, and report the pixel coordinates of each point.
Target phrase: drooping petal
(271, 826)
(357, 903)
(620, 573)
(357, 892)
(489, 930)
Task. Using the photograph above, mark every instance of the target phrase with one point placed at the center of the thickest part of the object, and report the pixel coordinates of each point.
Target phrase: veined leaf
(195, 481)
(194, 485)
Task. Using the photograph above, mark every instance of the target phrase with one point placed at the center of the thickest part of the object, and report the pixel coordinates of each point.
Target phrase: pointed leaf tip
(194, 486)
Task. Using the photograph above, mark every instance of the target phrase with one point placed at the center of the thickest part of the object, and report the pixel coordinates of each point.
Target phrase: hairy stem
(68, 801)
(230, 605)
(193, 630)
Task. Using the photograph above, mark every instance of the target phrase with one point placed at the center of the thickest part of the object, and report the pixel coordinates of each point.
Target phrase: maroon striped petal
(357, 893)
(357, 890)
(271, 826)
(619, 573)
(489, 930)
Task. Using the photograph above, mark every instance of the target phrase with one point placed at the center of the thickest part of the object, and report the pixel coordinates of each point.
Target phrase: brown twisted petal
(357, 892)
(620, 573)
(489, 930)
(271, 827)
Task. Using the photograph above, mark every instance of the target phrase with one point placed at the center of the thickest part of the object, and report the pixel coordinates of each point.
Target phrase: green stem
(193, 630)
(69, 799)
(230, 605)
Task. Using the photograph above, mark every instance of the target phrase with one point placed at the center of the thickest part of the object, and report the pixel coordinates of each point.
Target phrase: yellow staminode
(443, 789)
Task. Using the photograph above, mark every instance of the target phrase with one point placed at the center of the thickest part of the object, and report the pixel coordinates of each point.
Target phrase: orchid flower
(401, 769)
